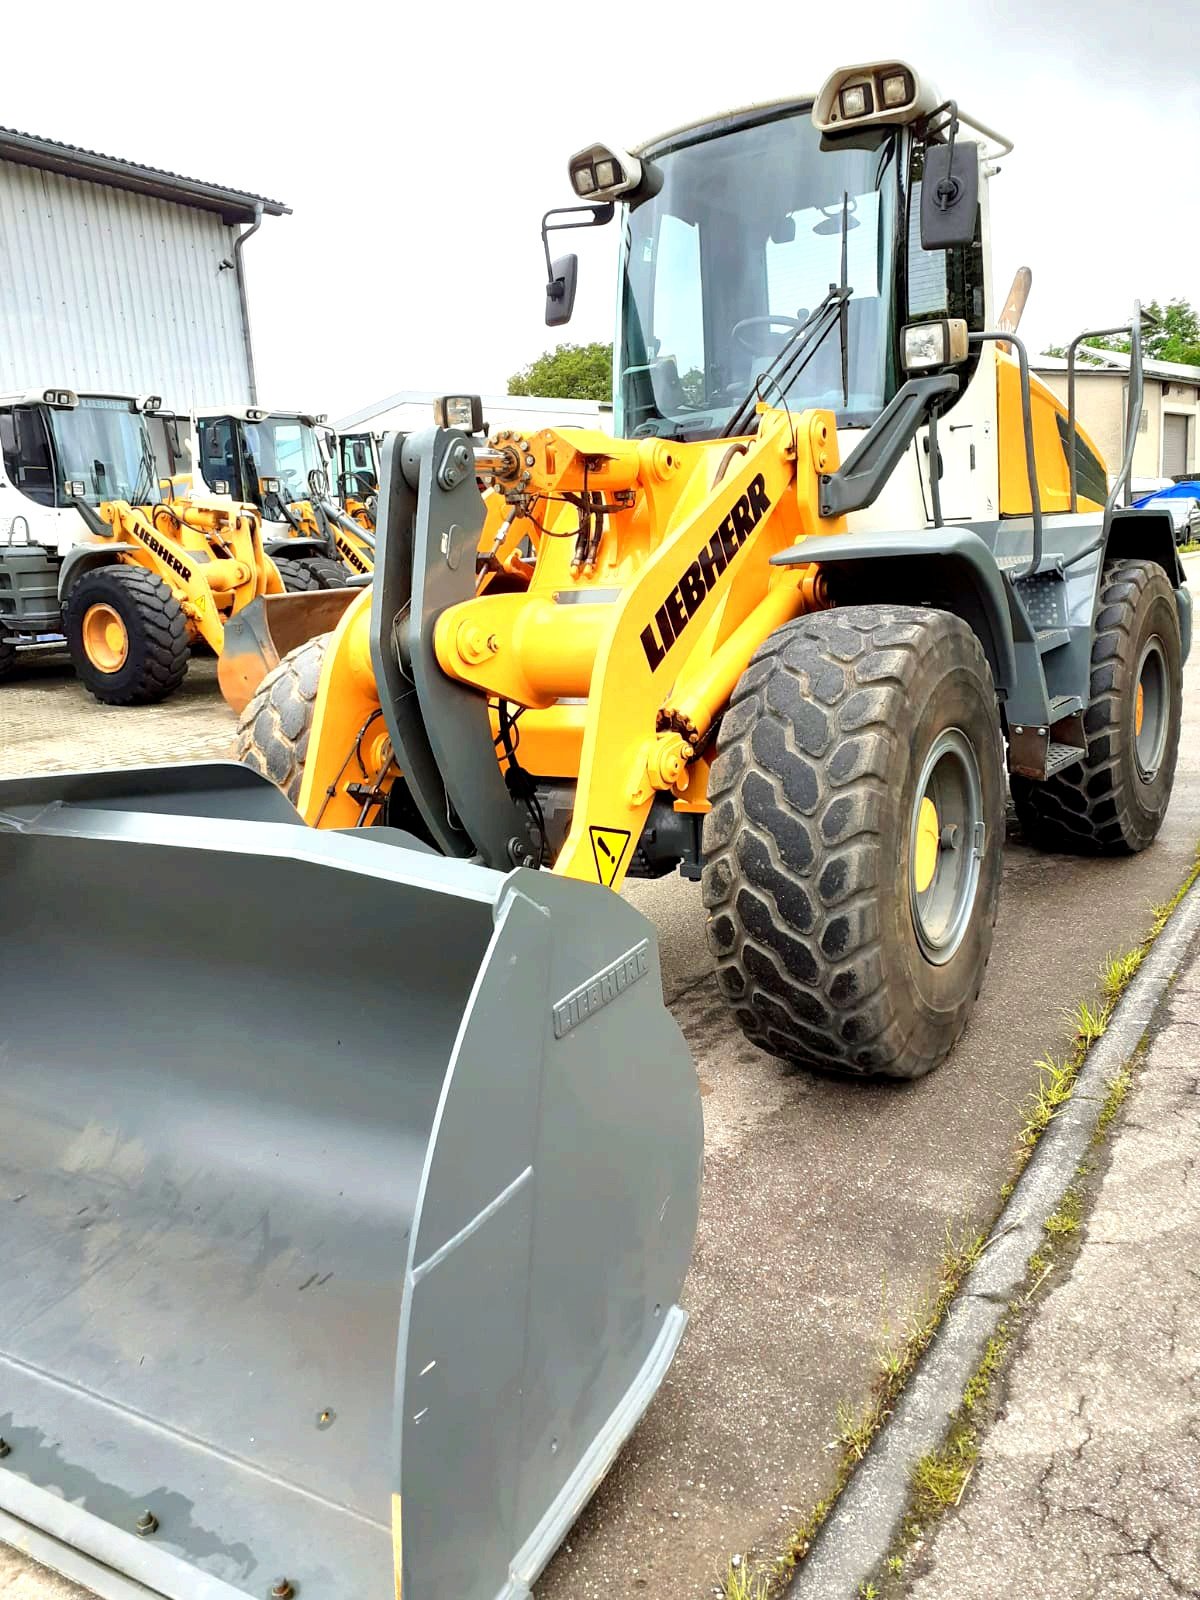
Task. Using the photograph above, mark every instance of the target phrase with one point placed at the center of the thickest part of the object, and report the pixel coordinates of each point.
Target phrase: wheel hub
(1151, 710)
(946, 844)
(105, 640)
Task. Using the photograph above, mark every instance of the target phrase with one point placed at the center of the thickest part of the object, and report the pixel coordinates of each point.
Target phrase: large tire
(295, 575)
(272, 735)
(328, 572)
(817, 843)
(127, 635)
(1113, 801)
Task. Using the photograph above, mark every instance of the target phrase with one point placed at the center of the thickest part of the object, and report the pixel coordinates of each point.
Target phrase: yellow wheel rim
(1139, 715)
(105, 641)
(928, 833)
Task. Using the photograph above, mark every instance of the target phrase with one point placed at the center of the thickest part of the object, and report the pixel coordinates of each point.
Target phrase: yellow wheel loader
(843, 557)
(278, 462)
(95, 553)
(361, 1278)
(358, 476)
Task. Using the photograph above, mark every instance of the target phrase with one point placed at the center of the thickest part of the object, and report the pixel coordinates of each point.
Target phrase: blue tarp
(1177, 491)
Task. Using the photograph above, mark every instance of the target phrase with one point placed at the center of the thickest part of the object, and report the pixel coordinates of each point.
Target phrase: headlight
(856, 101)
(897, 90)
(601, 173)
(935, 344)
(464, 411)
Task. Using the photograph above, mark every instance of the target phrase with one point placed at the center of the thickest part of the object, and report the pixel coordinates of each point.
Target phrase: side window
(218, 455)
(28, 459)
(8, 443)
(679, 304)
(942, 283)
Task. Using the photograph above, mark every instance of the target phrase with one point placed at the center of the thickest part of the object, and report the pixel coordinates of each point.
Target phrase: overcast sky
(419, 145)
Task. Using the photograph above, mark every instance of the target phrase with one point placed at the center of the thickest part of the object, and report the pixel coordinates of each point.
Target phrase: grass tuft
(1066, 1220)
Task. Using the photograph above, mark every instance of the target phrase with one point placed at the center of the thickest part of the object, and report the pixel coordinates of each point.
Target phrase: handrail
(995, 336)
(1133, 407)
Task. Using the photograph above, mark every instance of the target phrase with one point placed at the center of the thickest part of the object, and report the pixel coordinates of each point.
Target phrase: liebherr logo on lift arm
(681, 605)
(165, 555)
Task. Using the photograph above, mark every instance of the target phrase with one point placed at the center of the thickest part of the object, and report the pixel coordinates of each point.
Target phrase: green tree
(1174, 335)
(568, 372)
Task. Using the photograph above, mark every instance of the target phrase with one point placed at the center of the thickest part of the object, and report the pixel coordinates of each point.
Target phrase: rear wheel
(273, 730)
(295, 575)
(127, 635)
(328, 572)
(852, 855)
(1114, 799)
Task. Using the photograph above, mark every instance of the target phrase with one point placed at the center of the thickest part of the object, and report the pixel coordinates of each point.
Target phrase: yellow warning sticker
(609, 846)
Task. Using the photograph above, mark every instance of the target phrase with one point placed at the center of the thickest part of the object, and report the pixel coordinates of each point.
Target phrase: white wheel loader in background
(355, 1273)
(107, 553)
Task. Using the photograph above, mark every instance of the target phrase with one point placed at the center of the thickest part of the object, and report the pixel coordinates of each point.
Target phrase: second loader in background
(95, 555)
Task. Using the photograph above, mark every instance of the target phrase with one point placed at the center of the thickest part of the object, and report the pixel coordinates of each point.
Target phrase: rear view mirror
(949, 194)
(560, 291)
(563, 273)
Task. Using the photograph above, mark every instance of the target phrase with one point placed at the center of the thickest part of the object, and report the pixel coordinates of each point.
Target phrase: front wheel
(273, 730)
(1112, 801)
(127, 635)
(853, 850)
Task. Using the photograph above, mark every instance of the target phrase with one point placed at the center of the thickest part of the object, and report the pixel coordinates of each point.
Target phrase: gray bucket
(346, 1193)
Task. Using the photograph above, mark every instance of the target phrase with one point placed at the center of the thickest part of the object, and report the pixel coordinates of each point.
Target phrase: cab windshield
(104, 446)
(741, 242)
(283, 448)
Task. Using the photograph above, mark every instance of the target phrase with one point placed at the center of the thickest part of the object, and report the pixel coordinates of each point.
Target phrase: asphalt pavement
(1089, 1481)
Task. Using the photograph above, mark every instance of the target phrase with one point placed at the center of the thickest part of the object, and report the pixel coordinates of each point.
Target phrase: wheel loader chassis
(618, 655)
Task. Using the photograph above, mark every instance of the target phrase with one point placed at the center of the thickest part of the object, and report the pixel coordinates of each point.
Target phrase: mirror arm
(597, 216)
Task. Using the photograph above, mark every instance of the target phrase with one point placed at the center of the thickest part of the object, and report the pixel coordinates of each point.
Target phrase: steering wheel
(738, 328)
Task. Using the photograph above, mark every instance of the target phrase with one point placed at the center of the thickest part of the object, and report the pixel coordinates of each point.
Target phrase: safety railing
(14, 532)
(1133, 407)
(1002, 336)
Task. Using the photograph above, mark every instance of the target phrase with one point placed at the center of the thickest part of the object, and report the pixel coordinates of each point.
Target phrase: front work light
(855, 101)
(463, 411)
(897, 90)
(875, 93)
(928, 345)
(268, 486)
(602, 173)
(60, 397)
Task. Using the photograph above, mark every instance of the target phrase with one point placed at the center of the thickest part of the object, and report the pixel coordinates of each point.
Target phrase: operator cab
(357, 466)
(274, 460)
(61, 450)
(793, 255)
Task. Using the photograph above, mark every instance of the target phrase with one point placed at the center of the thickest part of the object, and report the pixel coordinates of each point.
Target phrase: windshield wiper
(803, 341)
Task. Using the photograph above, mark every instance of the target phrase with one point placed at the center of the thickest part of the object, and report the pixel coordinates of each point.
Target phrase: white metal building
(1168, 430)
(116, 276)
(411, 409)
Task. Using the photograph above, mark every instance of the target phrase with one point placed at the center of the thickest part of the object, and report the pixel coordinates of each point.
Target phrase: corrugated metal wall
(101, 288)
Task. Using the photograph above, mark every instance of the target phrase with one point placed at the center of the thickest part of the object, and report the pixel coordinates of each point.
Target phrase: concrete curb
(861, 1530)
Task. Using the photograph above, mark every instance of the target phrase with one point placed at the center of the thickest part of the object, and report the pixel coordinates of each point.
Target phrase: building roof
(495, 402)
(1117, 361)
(234, 205)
